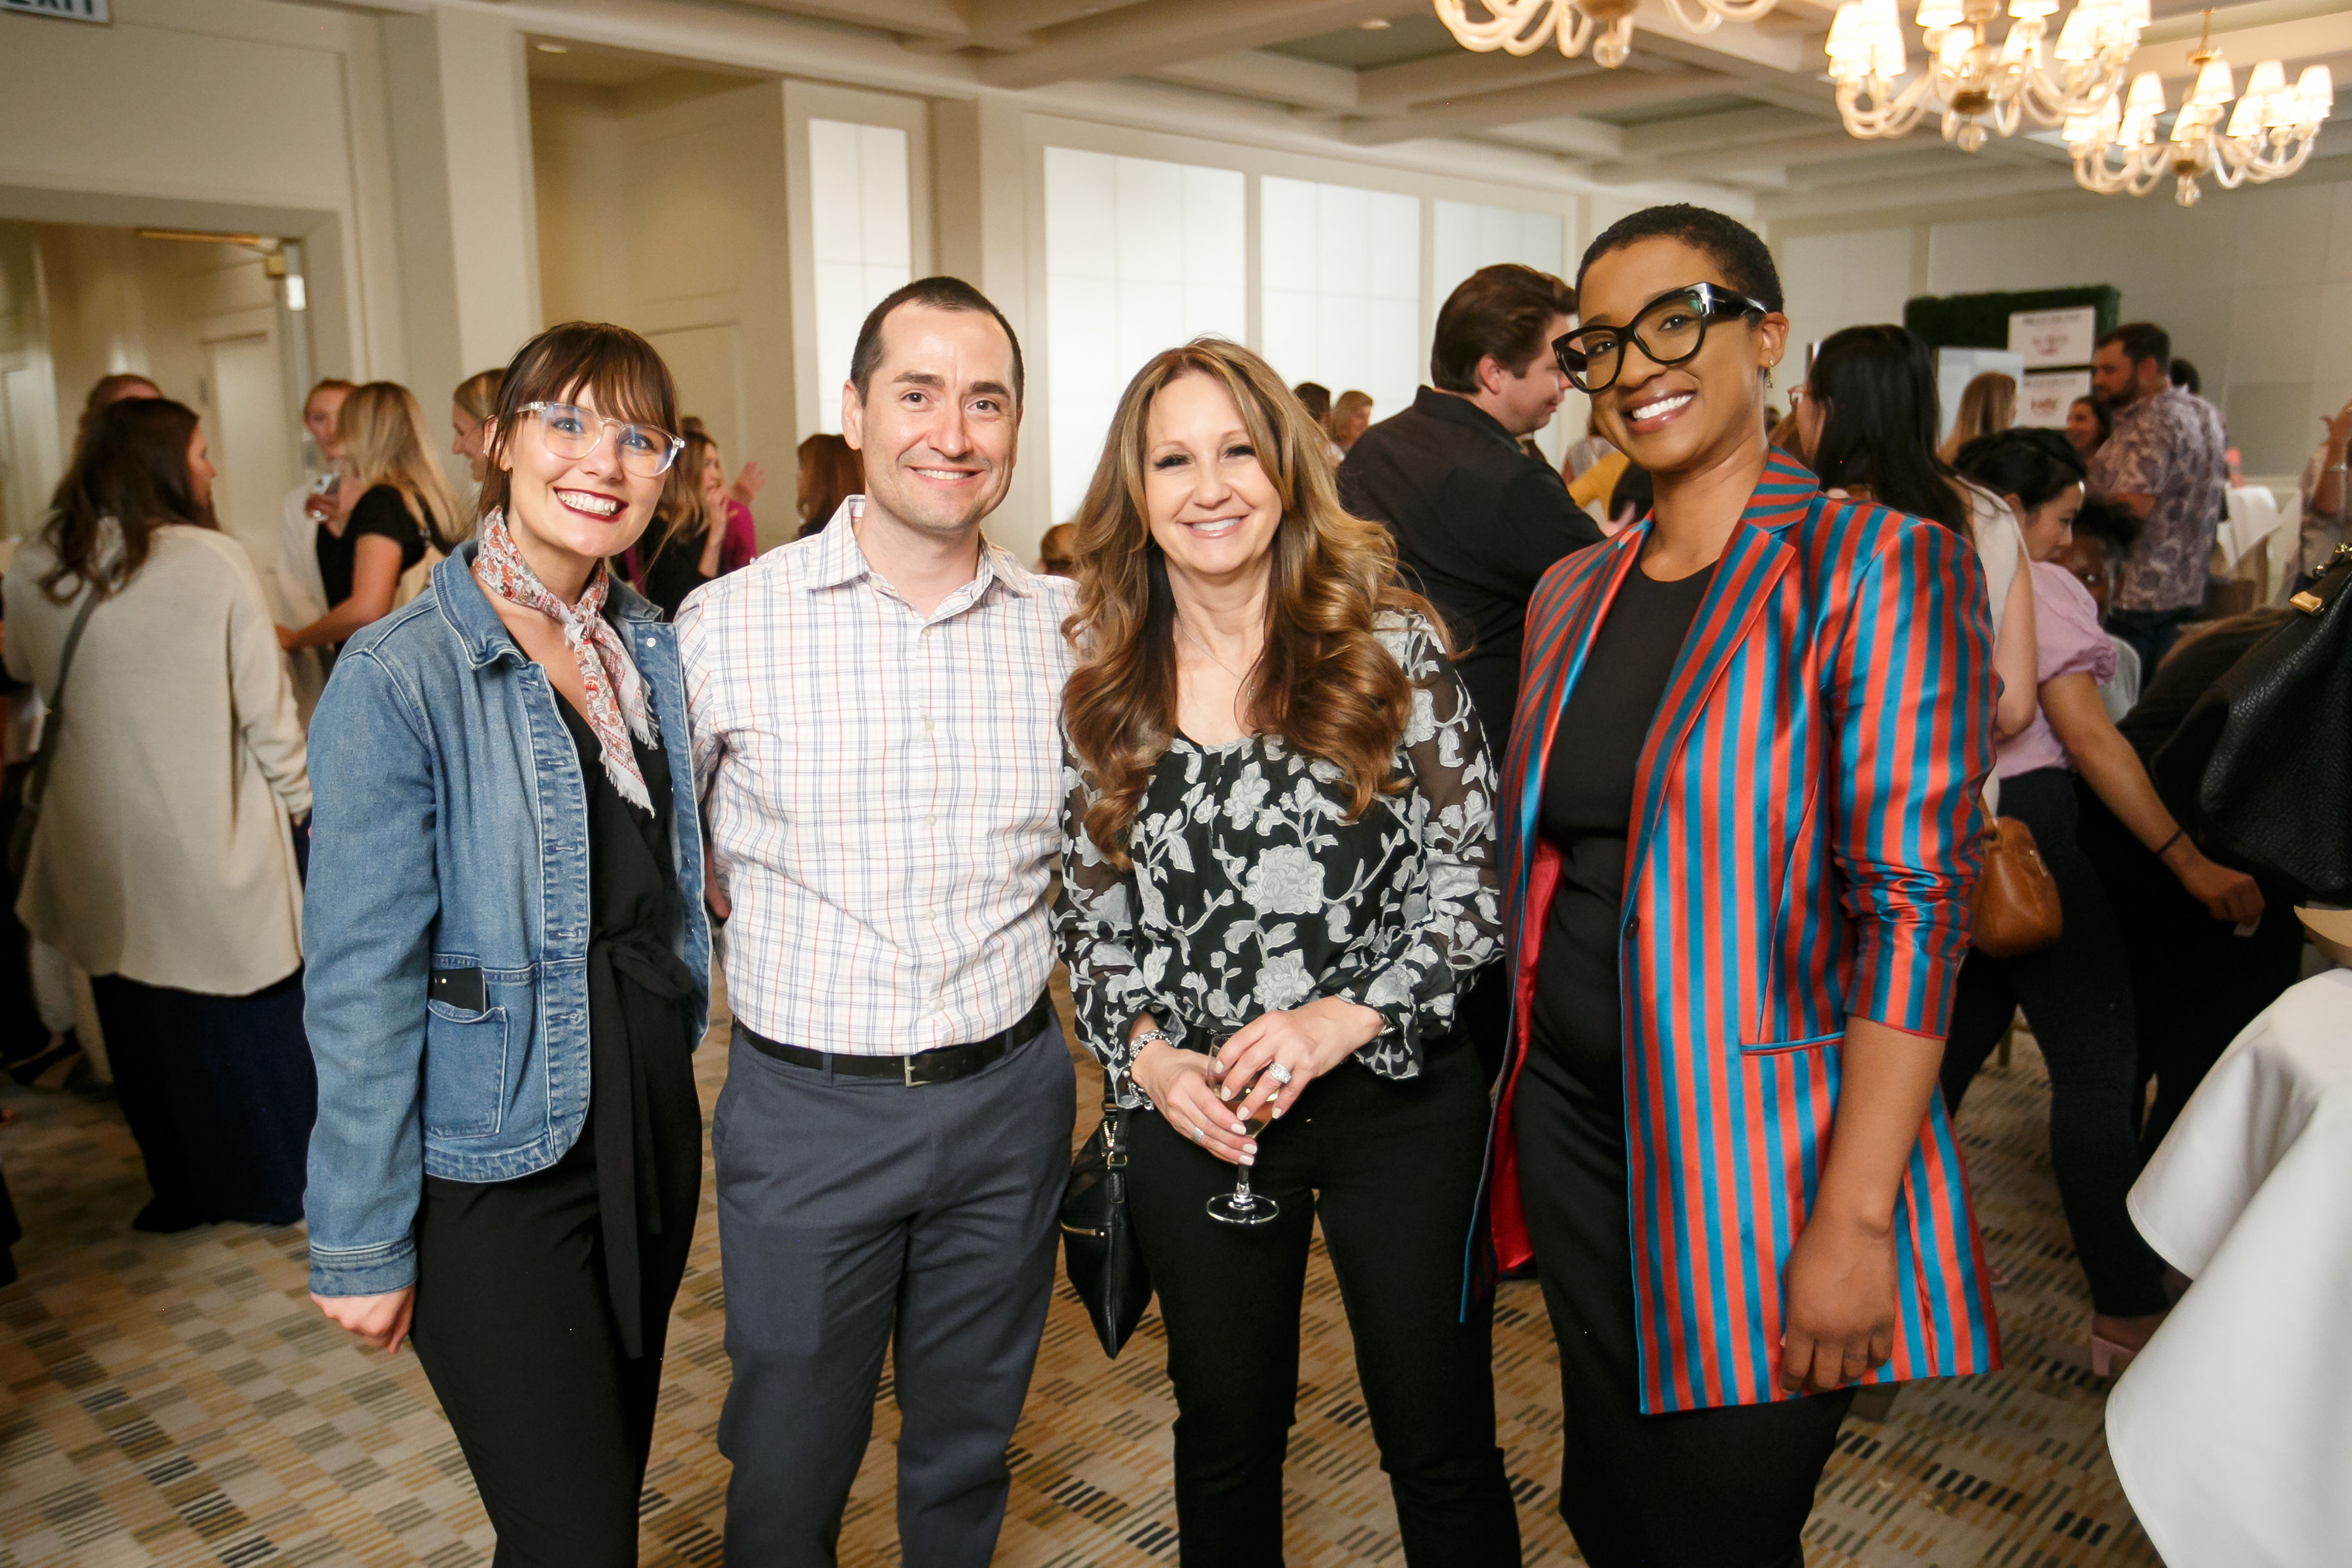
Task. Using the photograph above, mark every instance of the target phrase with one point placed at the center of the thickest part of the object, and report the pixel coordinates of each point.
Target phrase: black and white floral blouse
(1251, 892)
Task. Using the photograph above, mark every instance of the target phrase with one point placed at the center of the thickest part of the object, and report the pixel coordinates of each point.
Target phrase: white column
(460, 108)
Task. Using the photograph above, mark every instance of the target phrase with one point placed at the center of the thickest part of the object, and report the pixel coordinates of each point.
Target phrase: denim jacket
(451, 833)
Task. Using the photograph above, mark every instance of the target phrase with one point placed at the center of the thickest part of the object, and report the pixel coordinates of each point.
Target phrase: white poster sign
(2052, 338)
(2044, 396)
(63, 10)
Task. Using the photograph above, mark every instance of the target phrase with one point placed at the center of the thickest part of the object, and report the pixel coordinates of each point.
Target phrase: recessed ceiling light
(547, 48)
(1374, 24)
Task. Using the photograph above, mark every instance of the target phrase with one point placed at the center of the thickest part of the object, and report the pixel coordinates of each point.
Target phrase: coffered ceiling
(1747, 107)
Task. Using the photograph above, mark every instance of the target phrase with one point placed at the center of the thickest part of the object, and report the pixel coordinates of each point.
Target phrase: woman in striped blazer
(1740, 820)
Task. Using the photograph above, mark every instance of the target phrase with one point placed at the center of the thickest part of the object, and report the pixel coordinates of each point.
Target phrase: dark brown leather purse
(2015, 907)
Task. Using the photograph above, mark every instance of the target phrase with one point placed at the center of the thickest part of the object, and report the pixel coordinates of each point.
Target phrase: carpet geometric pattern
(178, 1400)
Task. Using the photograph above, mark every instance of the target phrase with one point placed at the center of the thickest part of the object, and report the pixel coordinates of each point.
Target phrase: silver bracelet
(1137, 1042)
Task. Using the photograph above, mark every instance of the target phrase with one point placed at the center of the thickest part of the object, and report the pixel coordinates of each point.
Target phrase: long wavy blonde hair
(381, 432)
(1325, 683)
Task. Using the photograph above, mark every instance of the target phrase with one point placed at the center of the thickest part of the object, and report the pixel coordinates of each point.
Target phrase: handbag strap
(36, 782)
(1114, 1123)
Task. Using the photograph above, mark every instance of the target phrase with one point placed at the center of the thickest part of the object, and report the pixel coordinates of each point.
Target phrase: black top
(645, 1122)
(1576, 1023)
(675, 573)
(1476, 521)
(381, 511)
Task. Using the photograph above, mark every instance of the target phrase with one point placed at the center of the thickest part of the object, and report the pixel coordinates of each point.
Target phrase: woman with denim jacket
(512, 968)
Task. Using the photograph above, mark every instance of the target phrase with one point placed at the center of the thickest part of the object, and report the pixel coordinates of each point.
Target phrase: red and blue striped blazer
(1806, 822)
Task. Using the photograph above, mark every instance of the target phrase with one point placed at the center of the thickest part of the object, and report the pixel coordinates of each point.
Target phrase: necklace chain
(1244, 681)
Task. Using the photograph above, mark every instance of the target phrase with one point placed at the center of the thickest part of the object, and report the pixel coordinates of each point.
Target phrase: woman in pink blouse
(2077, 994)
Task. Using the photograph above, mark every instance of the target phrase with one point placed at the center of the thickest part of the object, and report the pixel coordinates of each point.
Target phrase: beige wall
(2254, 285)
(662, 208)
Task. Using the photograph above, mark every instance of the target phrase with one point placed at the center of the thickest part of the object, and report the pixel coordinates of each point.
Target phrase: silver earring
(1768, 376)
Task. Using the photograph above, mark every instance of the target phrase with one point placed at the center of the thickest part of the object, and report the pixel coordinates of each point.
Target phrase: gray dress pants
(857, 1213)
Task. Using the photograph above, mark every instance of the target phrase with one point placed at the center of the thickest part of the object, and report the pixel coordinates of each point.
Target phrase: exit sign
(64, 10)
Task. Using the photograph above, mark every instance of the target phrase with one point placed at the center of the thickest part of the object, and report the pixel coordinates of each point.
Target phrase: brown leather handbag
(2015, 906)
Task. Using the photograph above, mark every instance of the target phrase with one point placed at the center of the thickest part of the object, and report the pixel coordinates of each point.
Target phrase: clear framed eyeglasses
(1669, 329)
(571, 431)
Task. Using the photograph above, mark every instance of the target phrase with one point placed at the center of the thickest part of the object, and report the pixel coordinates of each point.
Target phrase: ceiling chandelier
(1974, 82)
(1523, 26)
(2270, 135)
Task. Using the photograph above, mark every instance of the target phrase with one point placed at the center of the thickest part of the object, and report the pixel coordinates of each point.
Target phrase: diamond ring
(1279, 1073)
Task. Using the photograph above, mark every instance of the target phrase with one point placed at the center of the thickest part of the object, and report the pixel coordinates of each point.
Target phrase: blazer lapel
(1745, 576)
(1560, 654)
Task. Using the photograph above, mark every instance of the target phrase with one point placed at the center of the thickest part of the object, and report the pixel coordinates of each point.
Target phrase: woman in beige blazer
(163, 862)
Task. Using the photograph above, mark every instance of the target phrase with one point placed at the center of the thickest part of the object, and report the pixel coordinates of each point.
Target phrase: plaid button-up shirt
(2170, 446)
(882, 791)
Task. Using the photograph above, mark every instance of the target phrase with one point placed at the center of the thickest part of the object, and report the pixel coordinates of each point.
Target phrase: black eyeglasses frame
(1715, 301)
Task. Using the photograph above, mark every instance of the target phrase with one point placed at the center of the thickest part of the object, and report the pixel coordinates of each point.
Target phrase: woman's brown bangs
(620, 370)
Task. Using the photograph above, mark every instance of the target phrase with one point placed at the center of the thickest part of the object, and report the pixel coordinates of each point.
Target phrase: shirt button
(1632, 924)
(929, 821)
(928, 721)
(932, 915)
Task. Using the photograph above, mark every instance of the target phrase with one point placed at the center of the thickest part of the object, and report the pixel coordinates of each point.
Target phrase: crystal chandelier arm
(1706, 15)
(1888, 115)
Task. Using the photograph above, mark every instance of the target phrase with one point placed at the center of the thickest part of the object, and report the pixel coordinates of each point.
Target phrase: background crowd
(1443, 706)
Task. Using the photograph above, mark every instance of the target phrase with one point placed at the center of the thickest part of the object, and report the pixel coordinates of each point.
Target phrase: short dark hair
(939, 294)
(2034, 465)
(2184, 374)
(1315, 397)
(2141, 340)
(1743, 258)
(1502, 310)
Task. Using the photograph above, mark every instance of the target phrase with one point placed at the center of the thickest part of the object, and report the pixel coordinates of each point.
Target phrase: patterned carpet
(177, 1400)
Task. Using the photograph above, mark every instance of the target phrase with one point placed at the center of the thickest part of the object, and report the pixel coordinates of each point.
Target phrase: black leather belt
(944, 1065)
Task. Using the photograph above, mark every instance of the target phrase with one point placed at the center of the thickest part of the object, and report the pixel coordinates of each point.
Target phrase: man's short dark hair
(939, 294)
(1315, 397)
(1736, 250)
(2142, 340)
(1502, 310)
(2184, 376)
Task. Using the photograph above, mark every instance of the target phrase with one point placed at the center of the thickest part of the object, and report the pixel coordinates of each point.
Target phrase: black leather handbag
(2275, 792)
(1097, 1238)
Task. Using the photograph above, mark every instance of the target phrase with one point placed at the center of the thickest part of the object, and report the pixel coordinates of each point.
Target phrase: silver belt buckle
(906, 1066)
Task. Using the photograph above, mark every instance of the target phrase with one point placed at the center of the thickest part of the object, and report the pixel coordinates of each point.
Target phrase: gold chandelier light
(2118, 151)
(1975, 83)
(1523, 26)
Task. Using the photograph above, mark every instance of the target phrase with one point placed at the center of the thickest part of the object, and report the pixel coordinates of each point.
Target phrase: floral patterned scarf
(616, 694)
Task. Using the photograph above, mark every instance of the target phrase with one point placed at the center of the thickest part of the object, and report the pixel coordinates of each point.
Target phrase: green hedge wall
(1981, 321)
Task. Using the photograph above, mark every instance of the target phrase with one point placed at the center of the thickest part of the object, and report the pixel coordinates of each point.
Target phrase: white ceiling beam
(1306, 85)
(1955, 191)
(914, 18)
(1595, 94)
(1166, 32)
(1011, 24)
(1387, 89)
(1729, 128)
(1568, 134)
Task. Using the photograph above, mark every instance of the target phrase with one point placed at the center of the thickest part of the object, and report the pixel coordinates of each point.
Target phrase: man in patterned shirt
(2165, 465)
(875, 714)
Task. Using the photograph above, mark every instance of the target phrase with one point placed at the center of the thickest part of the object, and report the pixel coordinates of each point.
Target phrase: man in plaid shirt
(875, 714)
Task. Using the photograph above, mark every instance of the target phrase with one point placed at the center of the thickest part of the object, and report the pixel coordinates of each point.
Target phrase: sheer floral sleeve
(1096, 924)
(1452, 921)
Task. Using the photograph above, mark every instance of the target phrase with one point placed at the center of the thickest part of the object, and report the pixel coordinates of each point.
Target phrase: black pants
(220, 1093)
(1394, 1168)
(1727, 1488)
(2195, 981)
(2077, 996)
(515, 1331)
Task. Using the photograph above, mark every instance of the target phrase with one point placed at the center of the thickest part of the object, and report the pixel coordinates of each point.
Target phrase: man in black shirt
(1476, 520)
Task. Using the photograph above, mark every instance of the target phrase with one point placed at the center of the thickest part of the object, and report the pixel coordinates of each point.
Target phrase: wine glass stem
(1243, 1197)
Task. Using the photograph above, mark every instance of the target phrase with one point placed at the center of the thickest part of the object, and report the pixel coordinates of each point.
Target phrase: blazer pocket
(1771, 1048)
(464, 1072)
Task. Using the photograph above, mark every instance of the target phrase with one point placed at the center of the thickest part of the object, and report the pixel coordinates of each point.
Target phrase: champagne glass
(1243, 1206)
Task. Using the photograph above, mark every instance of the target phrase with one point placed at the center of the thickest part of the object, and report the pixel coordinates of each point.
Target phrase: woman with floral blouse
(1278, 862)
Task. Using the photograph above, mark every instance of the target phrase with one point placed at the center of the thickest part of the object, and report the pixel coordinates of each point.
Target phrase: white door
(249, 429)
(707, 362)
